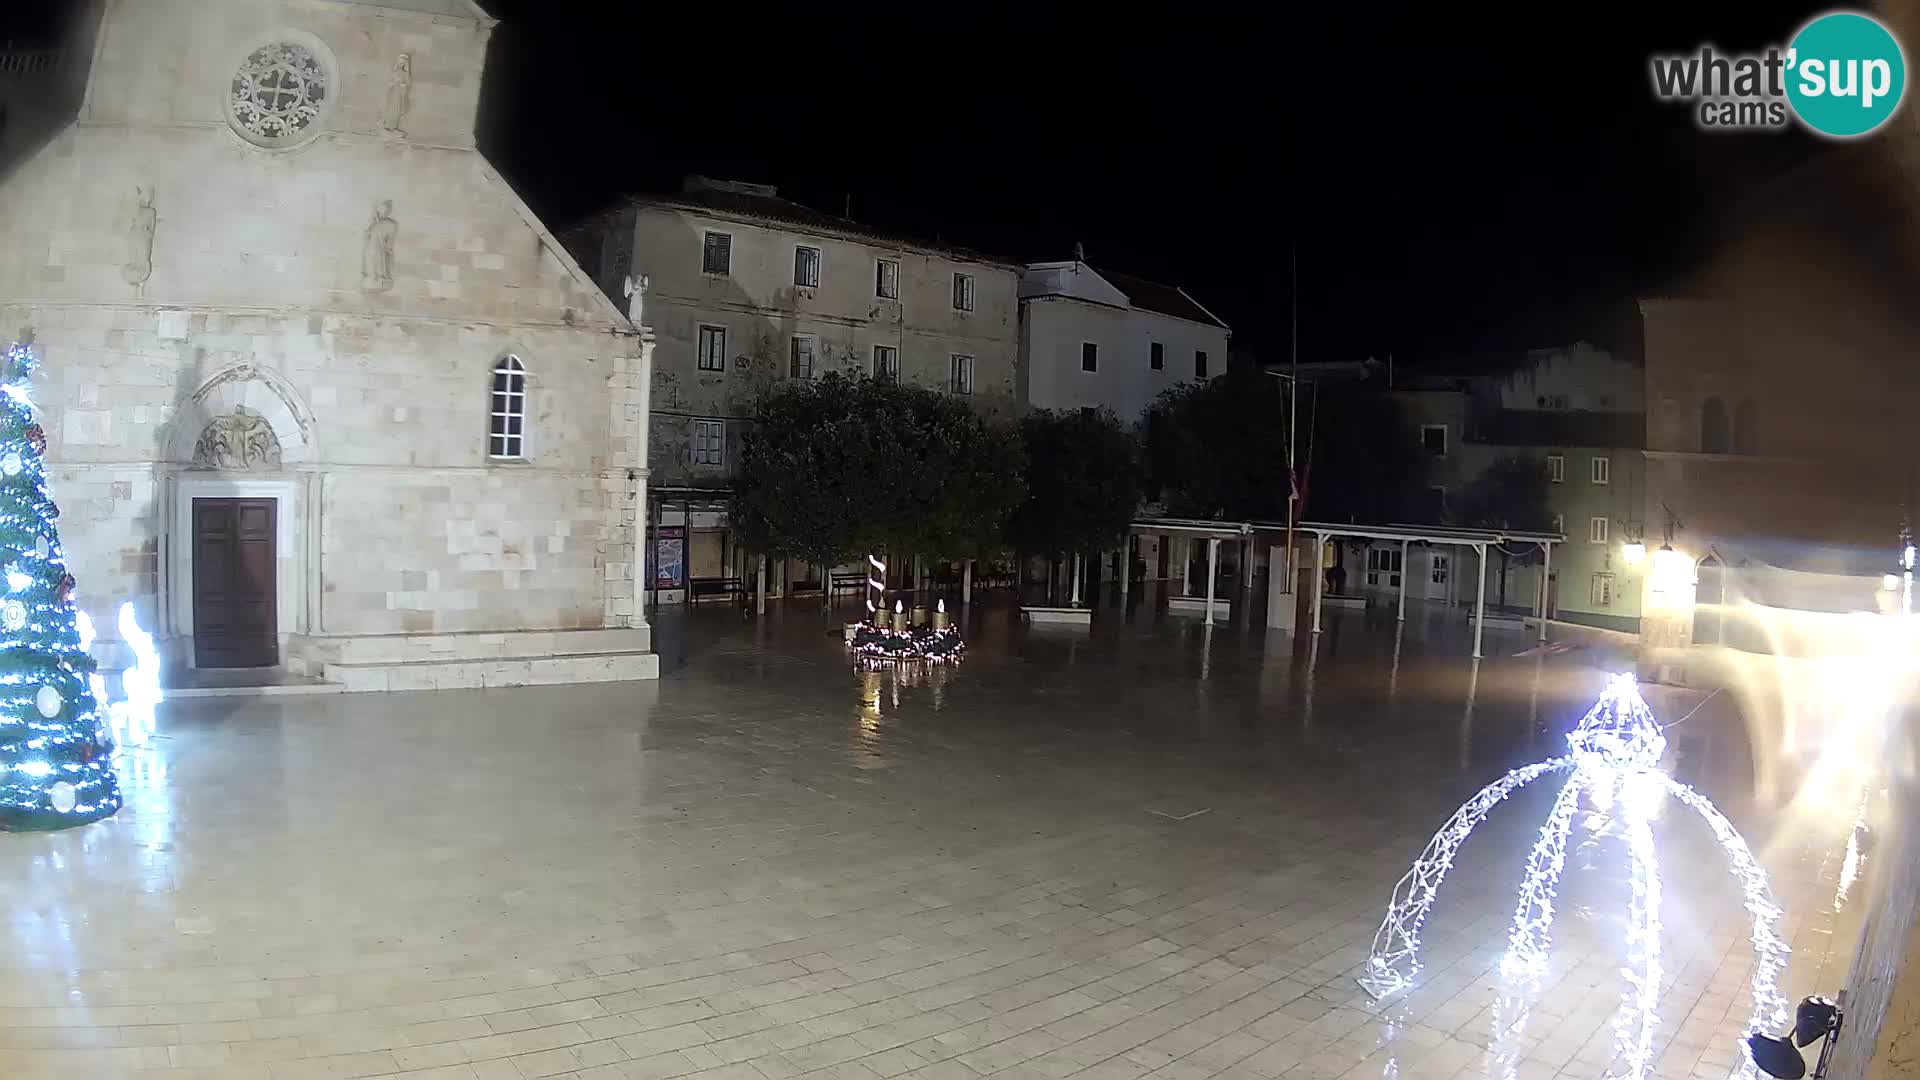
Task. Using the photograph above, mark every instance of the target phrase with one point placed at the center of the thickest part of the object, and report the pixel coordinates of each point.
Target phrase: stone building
(1576, 410)
(1099, 339)
(745, 289)
(320, 391)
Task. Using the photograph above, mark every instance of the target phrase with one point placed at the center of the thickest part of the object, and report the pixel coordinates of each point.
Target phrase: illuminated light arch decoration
(1615, 764)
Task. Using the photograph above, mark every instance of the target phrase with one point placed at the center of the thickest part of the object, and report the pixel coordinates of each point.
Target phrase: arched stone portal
(235, 485)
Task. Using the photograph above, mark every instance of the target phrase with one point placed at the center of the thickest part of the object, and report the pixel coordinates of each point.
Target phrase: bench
(713, 586)
(843, 582)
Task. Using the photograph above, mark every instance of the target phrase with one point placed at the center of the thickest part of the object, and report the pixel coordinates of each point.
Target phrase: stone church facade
(320, 391)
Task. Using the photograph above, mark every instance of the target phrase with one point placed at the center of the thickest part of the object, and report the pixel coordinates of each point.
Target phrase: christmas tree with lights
(55, 758)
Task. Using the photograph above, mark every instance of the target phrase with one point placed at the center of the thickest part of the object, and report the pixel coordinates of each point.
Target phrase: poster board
(670, 557)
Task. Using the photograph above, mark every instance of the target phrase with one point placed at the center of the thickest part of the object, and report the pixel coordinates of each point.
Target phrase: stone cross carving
(240, 441)
(376, 256)
(393, 112)
(635, 290)
(139, 264)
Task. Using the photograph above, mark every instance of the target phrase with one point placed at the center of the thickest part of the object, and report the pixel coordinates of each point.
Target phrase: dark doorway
(235, 622)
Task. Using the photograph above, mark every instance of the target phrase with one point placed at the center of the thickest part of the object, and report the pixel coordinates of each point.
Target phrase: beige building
(746, 289)
(320, 392)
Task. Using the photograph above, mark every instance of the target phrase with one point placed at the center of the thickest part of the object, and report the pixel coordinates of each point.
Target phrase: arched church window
(507, 424)
(1713, 426)
(1746, 427)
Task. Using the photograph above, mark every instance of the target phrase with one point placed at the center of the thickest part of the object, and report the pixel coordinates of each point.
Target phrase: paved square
(1155, 852)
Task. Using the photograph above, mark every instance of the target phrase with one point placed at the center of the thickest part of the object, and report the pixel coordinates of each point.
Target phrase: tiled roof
(760, 206)
(1164, 299)
(1528, 427)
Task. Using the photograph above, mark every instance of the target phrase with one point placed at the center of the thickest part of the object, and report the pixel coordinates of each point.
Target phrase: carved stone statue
(393, 112)
(376, 257)
(635, 290)
(139, 264)
(237, 442)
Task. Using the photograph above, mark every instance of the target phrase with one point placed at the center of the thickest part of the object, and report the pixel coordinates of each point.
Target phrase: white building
(746, 289)
(1098, 339)
(320, 392)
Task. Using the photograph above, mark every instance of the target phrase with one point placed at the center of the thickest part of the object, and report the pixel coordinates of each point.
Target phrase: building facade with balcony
(745, 289)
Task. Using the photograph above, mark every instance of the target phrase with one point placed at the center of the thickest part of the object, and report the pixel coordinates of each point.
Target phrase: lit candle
(940, 616)
(899, 617)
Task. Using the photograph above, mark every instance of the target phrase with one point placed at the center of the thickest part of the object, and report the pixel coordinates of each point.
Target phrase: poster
(670, 557)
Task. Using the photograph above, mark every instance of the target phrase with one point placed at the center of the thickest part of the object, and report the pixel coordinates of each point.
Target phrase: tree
(55, 768)
(1367, 466)
(1083, 483)
(835, 467)
(1218, 449)
(1510, 494)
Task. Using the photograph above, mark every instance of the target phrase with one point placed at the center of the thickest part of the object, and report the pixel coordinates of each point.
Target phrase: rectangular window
(717, 256)
(710, 442)
(806, 267)
(1600, 593)
(963, 292)
(800, 365)
(962, 374)
(713, 348)
(1199, 363)
(1597, 530)
(886, 279)
(1157, 356)
(1602, 470)
(1383, 564)
(1433, 439)
(1557, 468)
(1439, 570)
(1560, 524)
(1089, 356)
(886, 363)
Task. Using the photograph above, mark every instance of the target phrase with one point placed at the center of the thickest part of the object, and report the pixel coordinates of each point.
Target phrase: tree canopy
(834, 467)
(1367, 465)
(1218, 449)
(1083, 482)
(1510, 494)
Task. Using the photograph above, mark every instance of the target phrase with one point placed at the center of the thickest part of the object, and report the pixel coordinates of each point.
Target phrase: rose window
(278, 93)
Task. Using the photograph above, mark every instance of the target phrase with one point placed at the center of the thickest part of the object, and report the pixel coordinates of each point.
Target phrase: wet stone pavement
(1148, 851)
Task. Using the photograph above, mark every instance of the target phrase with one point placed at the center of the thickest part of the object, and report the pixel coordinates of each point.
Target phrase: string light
(56, 766)
(1615, 759)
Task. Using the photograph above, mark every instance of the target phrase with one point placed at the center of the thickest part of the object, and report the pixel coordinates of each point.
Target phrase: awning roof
(1433, 534)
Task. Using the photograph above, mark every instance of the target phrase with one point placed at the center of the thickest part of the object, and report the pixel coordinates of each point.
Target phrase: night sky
(1453, 181)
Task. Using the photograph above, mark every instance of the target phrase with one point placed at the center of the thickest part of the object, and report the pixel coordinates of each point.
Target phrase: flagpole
(1293, 405)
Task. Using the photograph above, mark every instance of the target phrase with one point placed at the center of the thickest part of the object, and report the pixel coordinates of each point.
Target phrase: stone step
(311, 655)
(493, 671)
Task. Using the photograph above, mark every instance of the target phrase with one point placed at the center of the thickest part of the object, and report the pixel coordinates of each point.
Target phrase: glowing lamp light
(1635, 554)
(1672, 571)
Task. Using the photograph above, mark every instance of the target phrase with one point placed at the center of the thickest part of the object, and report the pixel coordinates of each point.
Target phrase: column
(1126, 570)
(1319, 576)
(1246, 562)
(966, 582)
(760, 585)
(1213, 567)
(1186, 569)
(1405, 573)
(643, 560)
(1480, 601)
(1546, 574)
(1079, 561)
